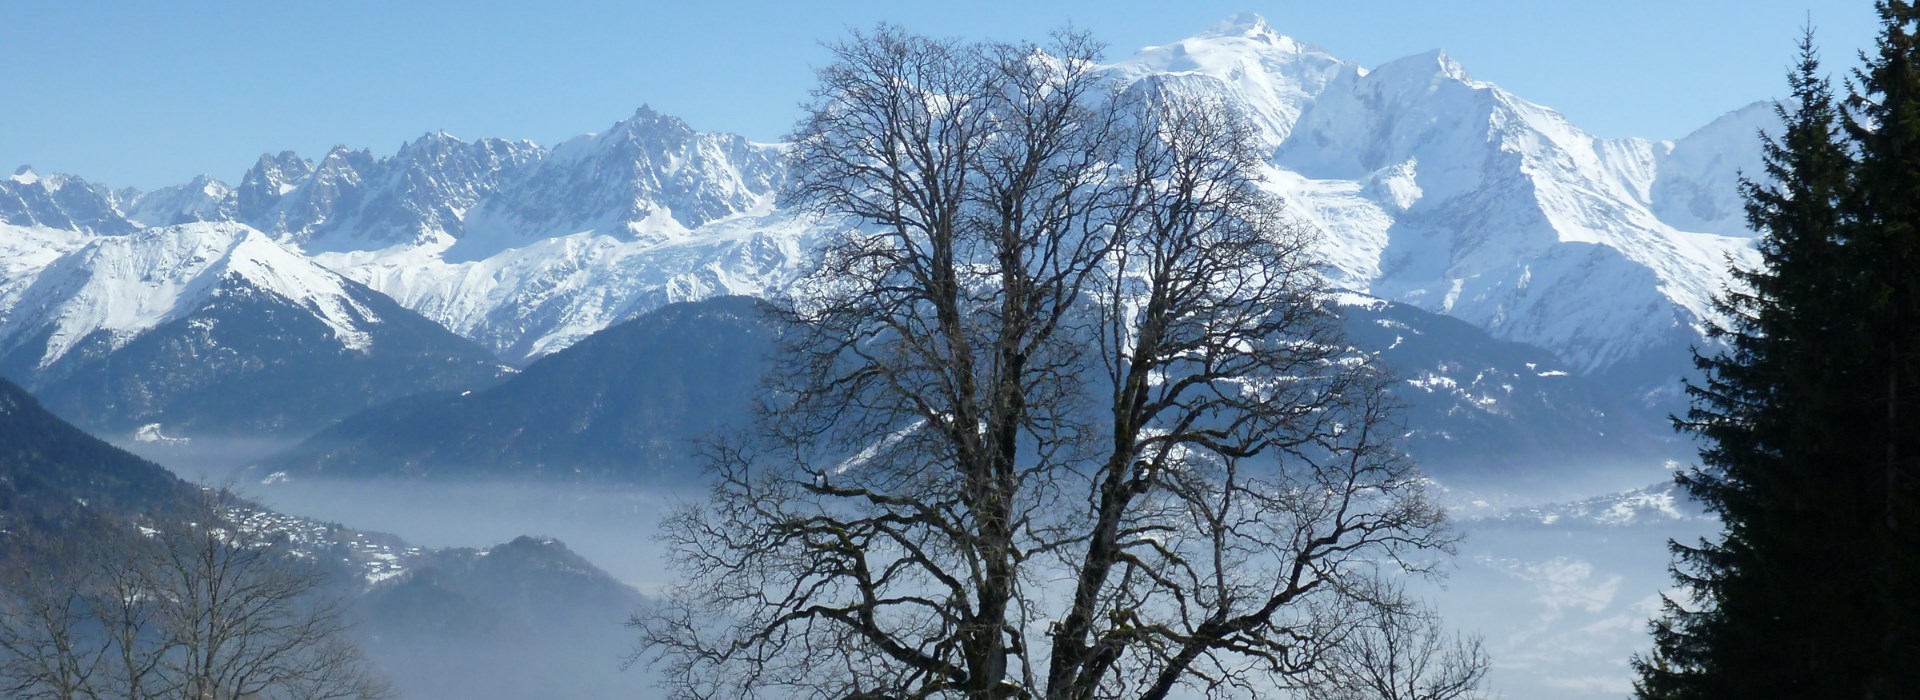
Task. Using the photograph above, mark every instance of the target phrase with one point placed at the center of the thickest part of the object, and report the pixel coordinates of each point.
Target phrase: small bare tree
(1398, 650)
(244, 616)
(1064, 414)
(46, 649)
(194, 606)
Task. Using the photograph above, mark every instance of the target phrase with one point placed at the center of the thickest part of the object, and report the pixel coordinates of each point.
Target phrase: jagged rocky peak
(649, 177)
(430, 184)
(277, 173)
(1451, 68)
(270, 178)
(353, 200)
(665, 146)
(441, 154)
(204, 198)
(646, 120)
(209, 186)
(332, 190)
(54, 200)
(343, 164)
(430, 145)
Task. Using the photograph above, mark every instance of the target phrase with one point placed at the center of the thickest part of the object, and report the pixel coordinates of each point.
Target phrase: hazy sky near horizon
(148, 94)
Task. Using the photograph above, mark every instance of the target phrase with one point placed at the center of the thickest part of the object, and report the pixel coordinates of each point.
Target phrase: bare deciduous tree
(1398, 650)
(193, 607)
(1065, 414)
(46, 652)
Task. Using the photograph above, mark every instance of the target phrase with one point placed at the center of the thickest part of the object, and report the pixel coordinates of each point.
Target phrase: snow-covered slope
(528, 301)
(202, 199)
(1272, 77)
(1484, 413)
(1452, 194)
(1692, 191)
(213, 328)
(115, 288)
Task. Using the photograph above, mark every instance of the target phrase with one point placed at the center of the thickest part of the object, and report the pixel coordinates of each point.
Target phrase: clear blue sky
(151, 93)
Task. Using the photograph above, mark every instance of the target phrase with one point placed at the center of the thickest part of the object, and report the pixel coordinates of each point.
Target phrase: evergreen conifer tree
(1806, 414)
(1883, 251)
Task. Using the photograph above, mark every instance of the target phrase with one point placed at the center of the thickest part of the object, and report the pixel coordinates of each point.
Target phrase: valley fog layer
(610, 526)
(1561, 593)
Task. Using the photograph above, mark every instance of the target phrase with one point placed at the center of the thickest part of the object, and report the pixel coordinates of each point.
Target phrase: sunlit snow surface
(73, 287)
(548, 293)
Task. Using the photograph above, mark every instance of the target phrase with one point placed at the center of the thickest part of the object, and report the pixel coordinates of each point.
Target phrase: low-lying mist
(610, 526)
(1559, 574)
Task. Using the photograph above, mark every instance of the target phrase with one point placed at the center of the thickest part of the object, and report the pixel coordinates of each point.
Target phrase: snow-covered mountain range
(1432, 189)
(211, 327)
(1454, 195)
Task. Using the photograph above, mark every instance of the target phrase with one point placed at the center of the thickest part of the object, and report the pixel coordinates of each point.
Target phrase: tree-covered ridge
(52, 472)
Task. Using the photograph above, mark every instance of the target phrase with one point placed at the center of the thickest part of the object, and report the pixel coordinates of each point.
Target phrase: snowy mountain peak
(429, 144)
(208, 184)
(1695, 189)
(1270, 77)
(111, 290)
(650, 177)
(270, 179)
(57, 201)
(283, 168)
(649, 124)
(1448, 66)
(1427, 67)
(203, 198)
(1250, 26)
(342, 159)
(1760, 114)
